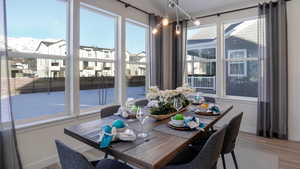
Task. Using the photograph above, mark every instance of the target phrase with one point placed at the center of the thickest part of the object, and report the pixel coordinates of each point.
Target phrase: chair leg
(223, 161)
(234, 160)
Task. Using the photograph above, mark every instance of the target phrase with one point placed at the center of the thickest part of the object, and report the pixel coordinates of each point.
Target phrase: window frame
(36, 55)
(203, 60)
(115, 61)
(232, 61)
(72, 60)
(220, 52)
(147, 61)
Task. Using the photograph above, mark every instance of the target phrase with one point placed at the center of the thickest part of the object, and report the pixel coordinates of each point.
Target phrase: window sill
(251, 100)
(37, 125)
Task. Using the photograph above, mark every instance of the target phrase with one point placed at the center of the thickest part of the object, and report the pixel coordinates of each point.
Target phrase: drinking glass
(142, 116)
(177, 104)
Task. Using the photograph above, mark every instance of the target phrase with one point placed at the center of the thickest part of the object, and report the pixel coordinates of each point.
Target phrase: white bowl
(177, 123)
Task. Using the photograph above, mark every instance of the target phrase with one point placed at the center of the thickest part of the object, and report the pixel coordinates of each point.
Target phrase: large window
(238, 57)
(241, 58)
(136, 59)
(97, 57)
(37, 56)
(201, 58)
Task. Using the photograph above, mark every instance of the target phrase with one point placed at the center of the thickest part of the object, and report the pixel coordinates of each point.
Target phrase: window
(136, 60)
(37, 51)
(97, 57)
(237, 68)
(241, 58)
(201, 58)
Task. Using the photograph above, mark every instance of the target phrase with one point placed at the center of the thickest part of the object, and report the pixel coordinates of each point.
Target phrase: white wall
(293, 14)
(37, 144)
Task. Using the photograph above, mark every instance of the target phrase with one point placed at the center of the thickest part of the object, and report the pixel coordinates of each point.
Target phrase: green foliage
(162, 109)
(166, 107)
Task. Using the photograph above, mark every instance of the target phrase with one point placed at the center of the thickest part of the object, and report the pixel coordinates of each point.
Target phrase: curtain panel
(273, 78)
(156, 53)
(9, 156)
(178, 54)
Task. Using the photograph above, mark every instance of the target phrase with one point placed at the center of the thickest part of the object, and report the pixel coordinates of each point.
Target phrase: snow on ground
(37, 104)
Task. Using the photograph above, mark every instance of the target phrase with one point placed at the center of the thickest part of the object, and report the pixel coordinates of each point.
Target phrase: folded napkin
(193, 123)
(106, 136)
(214, 109)
(116, 131)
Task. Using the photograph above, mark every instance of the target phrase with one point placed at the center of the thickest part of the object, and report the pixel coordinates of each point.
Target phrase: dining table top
(153, 152)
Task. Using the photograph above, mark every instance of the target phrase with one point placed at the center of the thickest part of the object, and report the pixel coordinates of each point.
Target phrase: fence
(34, 85)
(202, 82)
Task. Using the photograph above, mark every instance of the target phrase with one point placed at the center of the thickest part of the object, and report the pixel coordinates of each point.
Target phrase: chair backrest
(71, 159)
(141, 102)
(109, 110)
(231, 134)
(209, 155)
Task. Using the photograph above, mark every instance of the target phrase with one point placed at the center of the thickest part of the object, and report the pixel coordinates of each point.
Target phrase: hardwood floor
(252, 152)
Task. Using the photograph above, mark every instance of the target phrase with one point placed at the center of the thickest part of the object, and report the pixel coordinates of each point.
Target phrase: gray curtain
(273, 79)
(178, 50)
(9, 156)
(156, 53)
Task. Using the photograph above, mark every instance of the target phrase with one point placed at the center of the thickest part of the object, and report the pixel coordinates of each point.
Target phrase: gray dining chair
(232, 132)
(71, 159)
(207, 158)
(141, 102)
(109, 110)
(231, 135)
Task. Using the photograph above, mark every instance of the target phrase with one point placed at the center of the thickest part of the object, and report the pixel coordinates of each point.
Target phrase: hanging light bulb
(154, 31)
(177, 30)
(165, 21)
(196, 22)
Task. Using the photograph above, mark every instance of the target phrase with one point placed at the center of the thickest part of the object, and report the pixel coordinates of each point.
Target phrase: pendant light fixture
(165, 21)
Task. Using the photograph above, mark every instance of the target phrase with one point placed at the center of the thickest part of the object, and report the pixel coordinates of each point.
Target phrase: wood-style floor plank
(252, 153)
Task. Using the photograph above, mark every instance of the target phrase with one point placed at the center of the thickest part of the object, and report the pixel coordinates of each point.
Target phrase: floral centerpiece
(165, 103)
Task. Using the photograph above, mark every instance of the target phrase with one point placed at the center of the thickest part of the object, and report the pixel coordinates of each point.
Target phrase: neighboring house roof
(244, 30)
(48, 43)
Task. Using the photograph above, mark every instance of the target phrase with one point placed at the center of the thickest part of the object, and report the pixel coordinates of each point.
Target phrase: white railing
(202, 82)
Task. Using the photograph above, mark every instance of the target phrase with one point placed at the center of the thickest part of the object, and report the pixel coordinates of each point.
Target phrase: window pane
(37, 86)
(135, 60)
(97, 55)
(241, 39)
(243, 82)
(201, 57)
(37, 26)
(240, 46)
(37, 82)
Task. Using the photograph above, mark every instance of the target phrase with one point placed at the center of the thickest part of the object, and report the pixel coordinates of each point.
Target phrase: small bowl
(177, 123)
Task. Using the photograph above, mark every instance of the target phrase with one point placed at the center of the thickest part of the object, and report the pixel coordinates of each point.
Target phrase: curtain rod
(230, 11)
(134, 7)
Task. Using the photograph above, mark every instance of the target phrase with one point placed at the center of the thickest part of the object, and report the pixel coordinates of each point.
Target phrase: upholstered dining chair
(71, 159)
(141, 102)
(231, 135)
(229, 140)
(109, 110)
(207, 158)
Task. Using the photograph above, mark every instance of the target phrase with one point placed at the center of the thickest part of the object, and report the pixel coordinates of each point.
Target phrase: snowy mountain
(25, 44)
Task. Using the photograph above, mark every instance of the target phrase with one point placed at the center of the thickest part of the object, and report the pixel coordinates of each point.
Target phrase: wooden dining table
(153, 152)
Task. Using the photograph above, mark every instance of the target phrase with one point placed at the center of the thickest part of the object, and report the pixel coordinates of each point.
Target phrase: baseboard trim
(52, 159)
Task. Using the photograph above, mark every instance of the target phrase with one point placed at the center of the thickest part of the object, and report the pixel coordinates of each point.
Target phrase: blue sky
(46, 19)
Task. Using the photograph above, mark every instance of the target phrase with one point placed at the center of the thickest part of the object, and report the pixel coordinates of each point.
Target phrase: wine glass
(177, 104)
(141, 116)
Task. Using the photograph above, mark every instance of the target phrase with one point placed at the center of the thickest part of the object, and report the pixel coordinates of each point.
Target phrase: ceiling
(195, 7)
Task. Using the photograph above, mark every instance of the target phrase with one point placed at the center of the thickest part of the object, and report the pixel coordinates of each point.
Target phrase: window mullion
(220, 63)
(72, 73)
(121, 64)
